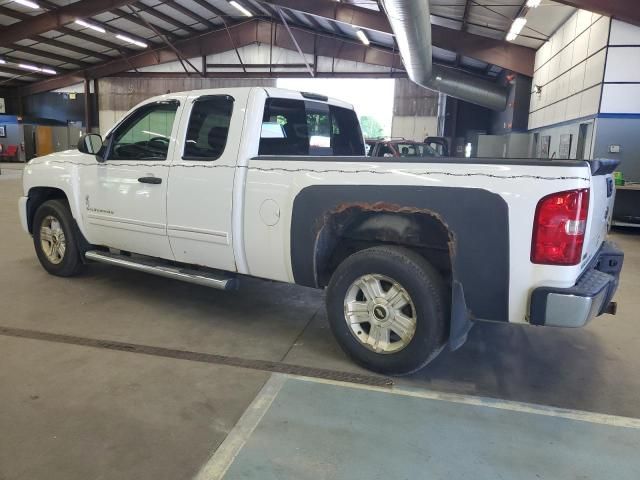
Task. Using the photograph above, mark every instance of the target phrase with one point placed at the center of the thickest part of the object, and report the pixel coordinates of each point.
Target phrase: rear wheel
(55, 240)
(387, 309)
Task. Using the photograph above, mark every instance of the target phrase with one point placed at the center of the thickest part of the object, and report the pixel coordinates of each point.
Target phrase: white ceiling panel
(196, 8)
(161, 23)
(6, 21)
(450, 9)
(36, 59)
(108, 16)
(179, 17)
(547, 18)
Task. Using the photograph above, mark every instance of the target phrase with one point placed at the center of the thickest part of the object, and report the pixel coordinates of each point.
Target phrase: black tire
(70, 263)
(426, 290)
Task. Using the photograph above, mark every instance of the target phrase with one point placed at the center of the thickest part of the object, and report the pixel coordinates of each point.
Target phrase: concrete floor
(78, 412)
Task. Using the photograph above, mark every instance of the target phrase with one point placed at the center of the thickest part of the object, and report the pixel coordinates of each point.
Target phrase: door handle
(151, 180)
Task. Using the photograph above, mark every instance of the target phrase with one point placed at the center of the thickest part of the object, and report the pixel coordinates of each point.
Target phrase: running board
(158, 267)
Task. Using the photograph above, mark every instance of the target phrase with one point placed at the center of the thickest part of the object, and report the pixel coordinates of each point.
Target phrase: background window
(319, 126)
(146, 134)
(384, 150)
(298, 127)
(208, 128)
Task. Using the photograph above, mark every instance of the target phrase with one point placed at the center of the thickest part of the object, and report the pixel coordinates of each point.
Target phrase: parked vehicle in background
(210, 186)
(399, 147)
(439, 144)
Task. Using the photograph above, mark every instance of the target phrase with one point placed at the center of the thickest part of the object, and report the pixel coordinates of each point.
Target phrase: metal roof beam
(489, 50)
(50, 55)
(211, 8)
(67, 31)
(121, 12)
(136, 21)
(189, 13)
(223, 40)
(240, 74)
(19, 72)
(465, 19)
(69, 47)
(55, 19)
(164, 17)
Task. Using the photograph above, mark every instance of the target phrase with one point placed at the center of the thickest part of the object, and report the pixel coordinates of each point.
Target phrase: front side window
(208, 128)
(146, 134)
(299, 127)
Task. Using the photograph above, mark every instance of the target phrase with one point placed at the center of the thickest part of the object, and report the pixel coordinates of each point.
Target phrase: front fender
(59, 171)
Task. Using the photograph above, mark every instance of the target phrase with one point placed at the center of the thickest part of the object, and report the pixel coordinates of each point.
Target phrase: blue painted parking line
(313, 429)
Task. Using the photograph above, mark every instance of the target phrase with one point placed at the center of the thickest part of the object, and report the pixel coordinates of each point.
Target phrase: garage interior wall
(589, 89)
(116, 96)
(618, 122)
(569, 71)
(14, 134)
(415, 111)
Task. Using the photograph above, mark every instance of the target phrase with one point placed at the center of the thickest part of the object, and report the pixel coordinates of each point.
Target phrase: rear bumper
(588, 298)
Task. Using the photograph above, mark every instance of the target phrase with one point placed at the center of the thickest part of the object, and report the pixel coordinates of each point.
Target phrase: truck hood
(63, 155)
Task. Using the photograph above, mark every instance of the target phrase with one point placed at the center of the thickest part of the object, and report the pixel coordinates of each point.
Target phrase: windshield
(415, 150)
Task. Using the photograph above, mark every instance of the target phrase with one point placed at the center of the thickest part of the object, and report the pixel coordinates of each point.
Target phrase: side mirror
(90, 143)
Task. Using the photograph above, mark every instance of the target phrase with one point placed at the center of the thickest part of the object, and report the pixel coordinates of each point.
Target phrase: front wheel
(55, 240)
(387, 309)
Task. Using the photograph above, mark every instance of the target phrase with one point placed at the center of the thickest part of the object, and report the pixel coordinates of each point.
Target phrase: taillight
(559, 228)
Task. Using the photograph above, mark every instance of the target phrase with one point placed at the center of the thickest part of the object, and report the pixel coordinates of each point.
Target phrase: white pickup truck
(209, 186)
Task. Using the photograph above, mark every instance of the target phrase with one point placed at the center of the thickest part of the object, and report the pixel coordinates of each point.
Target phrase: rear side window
(346, 136)
(208, 128)
(299, 127)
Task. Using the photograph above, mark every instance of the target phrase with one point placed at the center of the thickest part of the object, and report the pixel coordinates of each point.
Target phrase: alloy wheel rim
(380, 313)
(52, 239)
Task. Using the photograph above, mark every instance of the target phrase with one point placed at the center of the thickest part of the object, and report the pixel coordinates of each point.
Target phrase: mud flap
(82, 243)
(461, 322)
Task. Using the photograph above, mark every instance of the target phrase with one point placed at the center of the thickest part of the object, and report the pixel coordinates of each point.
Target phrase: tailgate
(600, 205)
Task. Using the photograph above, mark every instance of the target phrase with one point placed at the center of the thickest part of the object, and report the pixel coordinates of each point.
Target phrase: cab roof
(270, 91)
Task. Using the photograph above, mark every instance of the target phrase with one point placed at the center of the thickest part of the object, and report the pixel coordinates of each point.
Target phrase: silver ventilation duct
(411, 23)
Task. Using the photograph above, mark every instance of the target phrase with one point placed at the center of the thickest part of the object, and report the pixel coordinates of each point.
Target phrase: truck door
(199, 203)
(125, 195)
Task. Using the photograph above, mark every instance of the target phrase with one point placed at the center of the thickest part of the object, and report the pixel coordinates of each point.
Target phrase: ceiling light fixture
(516, 27)
(124, 38)
(244, 11)
(91, 26)
(24, 66)
(363, 38)
(27, 3)
(33, 68)
(533, 3)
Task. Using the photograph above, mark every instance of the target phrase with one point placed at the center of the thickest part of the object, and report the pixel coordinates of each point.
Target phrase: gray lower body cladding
(477, 222)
